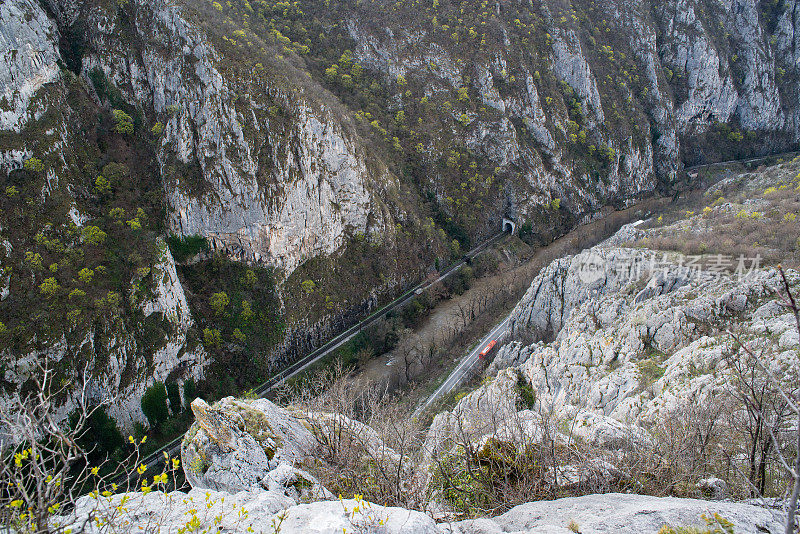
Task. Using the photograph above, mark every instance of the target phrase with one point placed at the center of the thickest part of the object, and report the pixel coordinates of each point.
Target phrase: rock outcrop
(237, 458)
(620, 513)
(236, 445)
(267, 511)
(243, 512)
(615, 313)
(28, 62)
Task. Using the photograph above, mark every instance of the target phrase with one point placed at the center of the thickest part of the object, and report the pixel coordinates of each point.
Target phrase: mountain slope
(337, 150)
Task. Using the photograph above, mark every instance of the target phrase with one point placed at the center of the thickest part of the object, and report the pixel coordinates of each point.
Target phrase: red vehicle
(487, 349)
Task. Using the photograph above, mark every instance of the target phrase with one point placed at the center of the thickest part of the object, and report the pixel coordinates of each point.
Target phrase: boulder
(616, 513)
(234, 444)
(238, 513)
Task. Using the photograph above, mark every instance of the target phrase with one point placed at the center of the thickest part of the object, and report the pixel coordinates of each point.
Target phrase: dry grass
(753, 214)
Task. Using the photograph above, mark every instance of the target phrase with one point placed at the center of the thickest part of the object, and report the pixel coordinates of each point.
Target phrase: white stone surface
(616, 513)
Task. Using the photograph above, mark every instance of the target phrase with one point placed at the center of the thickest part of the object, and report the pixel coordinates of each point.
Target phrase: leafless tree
(45, 468)
(769, 402)
(408, 351)
(365, 441)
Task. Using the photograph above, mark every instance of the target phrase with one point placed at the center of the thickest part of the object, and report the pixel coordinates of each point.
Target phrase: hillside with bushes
(198, 193)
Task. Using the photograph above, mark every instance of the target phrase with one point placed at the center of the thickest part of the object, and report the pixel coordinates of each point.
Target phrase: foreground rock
(235, 444)
(242, 512)
(620, 514)
(265, 512)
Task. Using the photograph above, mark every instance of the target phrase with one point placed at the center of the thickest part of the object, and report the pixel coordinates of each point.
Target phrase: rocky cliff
(633, 372)
(240, 489)
(322, 142)
(512, 105)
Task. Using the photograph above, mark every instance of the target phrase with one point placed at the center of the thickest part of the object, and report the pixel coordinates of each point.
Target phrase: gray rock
(234, 445)
(240, 513)
(616, 513)
(28, 61)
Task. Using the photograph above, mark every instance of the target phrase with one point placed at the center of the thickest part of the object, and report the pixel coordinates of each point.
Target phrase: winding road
(465, 366)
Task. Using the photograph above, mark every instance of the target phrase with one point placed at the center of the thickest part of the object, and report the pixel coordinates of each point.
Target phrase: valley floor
(519, 265)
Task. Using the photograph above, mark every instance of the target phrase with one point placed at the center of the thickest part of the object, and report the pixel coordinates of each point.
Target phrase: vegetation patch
(185, 247)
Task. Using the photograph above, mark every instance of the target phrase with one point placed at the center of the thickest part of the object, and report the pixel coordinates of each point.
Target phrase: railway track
(173, 448)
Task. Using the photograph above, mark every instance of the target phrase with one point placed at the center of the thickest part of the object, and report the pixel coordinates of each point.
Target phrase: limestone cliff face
(266, 173)
(267, 164)
(517, 128)
(594, 321)
(122, 363)
(29, 61)
(241, 135)
(262, 169)
(674, 69)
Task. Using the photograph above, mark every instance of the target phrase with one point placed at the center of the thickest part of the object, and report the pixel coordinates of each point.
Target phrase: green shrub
(34, 165)
(49, 287)
(218, 302)
(102, 184)
(93, 235)
(85, 275)
(212, 338)
(174, 396)
(154, 405)
(308, 286)
(123, 123)
(184, 247)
